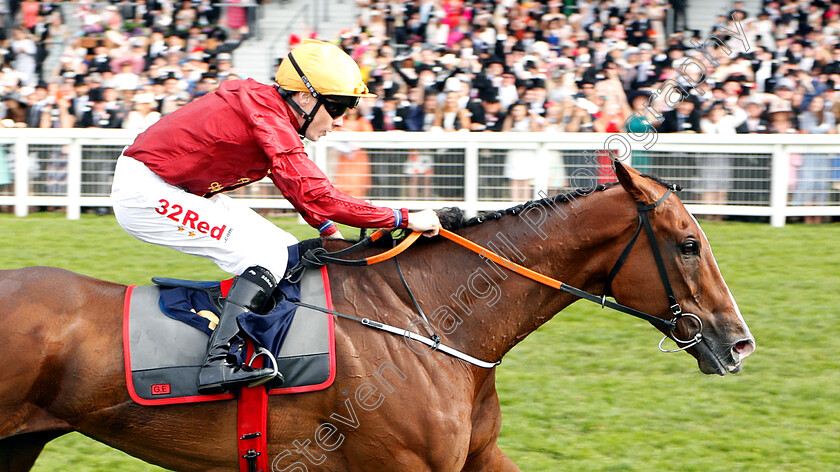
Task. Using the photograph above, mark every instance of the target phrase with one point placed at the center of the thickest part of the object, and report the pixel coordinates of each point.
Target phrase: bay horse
(63, 355)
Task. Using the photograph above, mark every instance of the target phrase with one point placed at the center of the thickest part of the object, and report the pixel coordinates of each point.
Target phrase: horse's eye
(690, 248)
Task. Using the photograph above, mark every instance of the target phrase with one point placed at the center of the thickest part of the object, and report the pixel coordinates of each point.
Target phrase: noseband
(674, 305)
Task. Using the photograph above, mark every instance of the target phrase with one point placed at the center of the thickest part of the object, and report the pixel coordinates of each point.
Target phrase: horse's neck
(498, 307)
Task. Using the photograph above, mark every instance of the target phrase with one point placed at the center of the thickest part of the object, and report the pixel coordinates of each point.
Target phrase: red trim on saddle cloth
(225, 285)
(130, 384)
(251, 424)
(331, 329)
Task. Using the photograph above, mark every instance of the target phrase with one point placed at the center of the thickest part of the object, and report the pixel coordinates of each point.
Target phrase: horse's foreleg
(18, 453)
(491, 459)
(485, 454)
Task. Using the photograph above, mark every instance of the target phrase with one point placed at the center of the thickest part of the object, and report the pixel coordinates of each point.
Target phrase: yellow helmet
(322, 68)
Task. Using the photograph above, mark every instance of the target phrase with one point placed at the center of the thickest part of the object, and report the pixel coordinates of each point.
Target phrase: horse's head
(693, 274)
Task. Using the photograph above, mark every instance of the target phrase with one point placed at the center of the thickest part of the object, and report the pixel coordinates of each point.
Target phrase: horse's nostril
(744, 348)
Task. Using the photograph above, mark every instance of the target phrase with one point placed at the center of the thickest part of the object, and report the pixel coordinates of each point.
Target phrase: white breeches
(219, 228)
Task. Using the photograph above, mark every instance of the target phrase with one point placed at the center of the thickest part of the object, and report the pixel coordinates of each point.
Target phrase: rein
(319, 257)
(644, 221)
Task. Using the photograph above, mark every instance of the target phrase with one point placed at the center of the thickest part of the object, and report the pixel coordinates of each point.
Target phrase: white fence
(775, 176)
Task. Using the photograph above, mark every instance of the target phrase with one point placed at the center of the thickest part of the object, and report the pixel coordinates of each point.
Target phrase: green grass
(589, 391)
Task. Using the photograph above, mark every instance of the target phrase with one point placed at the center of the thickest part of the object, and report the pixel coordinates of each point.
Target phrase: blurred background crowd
(451, 65)
(446, 64)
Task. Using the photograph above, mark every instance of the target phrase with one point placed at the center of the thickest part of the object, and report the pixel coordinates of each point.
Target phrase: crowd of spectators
(589, 66)
(125, 66)
(452, 65)
(598, 66)
(582, 66)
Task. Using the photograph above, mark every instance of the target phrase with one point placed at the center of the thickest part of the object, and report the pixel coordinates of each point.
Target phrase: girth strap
(252, 428)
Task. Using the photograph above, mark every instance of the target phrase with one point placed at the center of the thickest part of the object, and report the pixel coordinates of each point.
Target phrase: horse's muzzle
(723, 358)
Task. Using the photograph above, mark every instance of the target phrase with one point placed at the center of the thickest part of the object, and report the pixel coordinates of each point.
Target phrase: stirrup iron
(261, 351)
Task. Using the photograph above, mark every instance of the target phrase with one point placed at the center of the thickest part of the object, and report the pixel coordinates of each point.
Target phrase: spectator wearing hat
(143, 114)
(486, 113)
(113, 103)
(685, 118)
(100, 61)
(389, 116)
(81, 96)
(508, 91)
(135, 56)
(535, 96)
(224, 66)
(755, 122)
(785, 88)
(209, 83)
(157, 47)
(490, 74)
(194, 68)
(207, 13)
(781, 117)
(98, 116)
(172, 64)
(385, 83)
(646, 72)
(38, 106)
(171, 95)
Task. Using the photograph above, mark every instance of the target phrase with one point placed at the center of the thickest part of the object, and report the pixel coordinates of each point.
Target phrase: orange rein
(476, 248)
(482, 251)
(394, 251)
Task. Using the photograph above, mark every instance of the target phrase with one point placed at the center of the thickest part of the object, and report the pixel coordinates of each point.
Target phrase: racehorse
(63, 359)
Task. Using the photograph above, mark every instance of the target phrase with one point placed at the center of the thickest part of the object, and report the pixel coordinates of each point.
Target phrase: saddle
(166, 328)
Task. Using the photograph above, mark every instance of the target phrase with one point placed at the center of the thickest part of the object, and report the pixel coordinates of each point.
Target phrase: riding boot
(220, 372)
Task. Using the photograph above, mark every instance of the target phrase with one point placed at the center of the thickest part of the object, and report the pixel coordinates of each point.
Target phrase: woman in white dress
(521, 165)
(142, 116)
(716, 171)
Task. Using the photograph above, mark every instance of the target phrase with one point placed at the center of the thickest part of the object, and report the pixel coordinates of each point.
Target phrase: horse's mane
(453, 219)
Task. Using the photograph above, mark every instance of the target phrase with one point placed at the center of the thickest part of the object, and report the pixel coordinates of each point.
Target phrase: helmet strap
(307, 117)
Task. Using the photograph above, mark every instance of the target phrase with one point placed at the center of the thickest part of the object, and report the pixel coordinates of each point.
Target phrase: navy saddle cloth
(165, 338)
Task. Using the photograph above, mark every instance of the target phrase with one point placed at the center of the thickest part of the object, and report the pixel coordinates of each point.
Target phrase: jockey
(169, 184)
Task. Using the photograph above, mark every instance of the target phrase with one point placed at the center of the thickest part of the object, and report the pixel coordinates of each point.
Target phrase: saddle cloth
(163, 355)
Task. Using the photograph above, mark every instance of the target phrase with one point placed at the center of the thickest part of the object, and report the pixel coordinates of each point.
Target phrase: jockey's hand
(336, 235)
(425, 221)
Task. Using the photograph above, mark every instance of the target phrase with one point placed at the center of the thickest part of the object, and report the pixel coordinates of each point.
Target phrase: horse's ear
(637, 186)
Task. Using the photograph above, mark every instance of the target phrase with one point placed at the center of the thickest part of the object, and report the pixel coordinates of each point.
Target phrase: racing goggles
(337, 105)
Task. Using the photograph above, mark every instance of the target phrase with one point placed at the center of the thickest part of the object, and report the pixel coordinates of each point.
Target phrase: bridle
(667, 326)
(673, 304)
